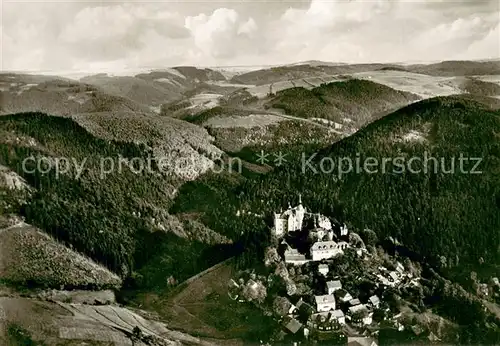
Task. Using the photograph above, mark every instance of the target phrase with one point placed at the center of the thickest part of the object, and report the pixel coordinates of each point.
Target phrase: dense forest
(448, 218)
(113, 219)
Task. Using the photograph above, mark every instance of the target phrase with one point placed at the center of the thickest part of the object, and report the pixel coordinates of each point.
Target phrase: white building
(323, 269)
(333, 286)
(289, 221)
(324, 222)
(374, 301)
(325, 303)
(326, 249)
(344, 296)
(343, 230)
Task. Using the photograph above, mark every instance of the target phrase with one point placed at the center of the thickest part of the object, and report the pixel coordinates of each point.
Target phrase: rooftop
(357, 308)
(338, 313)
(355, 301)
(374, 300)
(328, 298)
(293, 325)
(334, 284)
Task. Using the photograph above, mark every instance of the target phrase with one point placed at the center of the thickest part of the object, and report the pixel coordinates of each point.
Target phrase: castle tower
(279, 224)
(343, 230)
(300, 213)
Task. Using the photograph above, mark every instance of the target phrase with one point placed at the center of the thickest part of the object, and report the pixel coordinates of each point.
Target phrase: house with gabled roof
(332, 286)
(325, 302)
(323, 269)
(292, 325)
(374, 301)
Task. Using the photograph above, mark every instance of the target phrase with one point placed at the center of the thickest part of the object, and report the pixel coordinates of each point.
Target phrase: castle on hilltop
(328, 241)
(290, 220)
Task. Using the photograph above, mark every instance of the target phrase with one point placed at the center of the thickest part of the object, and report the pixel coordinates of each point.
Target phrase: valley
(141, 233)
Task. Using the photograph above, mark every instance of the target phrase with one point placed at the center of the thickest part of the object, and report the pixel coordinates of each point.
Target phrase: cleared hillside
(26, 93)
(30, 257)
(285, 73)
(458, 68)
(146, 92)
(28, 321)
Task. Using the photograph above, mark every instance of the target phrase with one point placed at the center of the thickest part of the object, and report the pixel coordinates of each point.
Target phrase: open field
(203, 308)
(71, 324)
(491, 78)
(422, 85)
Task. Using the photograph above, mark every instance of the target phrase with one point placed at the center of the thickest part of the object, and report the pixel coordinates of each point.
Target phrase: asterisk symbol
(279, 159)
(262, 157)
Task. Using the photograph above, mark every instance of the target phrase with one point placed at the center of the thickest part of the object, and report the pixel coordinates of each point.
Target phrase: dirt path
(17, 225)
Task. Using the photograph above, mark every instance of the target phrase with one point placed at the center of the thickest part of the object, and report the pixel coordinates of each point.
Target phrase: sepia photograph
(249, 172)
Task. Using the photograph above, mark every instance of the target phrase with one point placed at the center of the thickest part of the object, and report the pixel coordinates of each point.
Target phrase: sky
(98, 35)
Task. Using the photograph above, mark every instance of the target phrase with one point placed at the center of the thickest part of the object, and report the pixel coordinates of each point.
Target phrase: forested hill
(446, 216)
(358, 100)
(449, 218)
(118, 219)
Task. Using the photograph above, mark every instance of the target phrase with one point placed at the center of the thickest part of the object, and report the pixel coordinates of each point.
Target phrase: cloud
(107, 32)
(78, 35)
(222, 34)
(360, 31)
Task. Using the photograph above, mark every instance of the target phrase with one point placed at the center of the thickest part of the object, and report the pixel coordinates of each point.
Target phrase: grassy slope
(30, 257)
(358, 100)
(458, 68)
(445, 68)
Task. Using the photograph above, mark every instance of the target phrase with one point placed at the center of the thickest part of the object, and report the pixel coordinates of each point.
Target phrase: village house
(317, 234)
(354, 302)
(325, 303)
(333, 317)
(343, 295)
(394, 277)
(323, 269)
(339, 316)
(304, 308)
(374, 301)
(384, 280)
(332, 286)
(322, 321)
(289, 221)
(324, 222)
(293, 256)
(359, 314)
(326, 249)
(400, 268)
(292, 325)
(343, 230)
